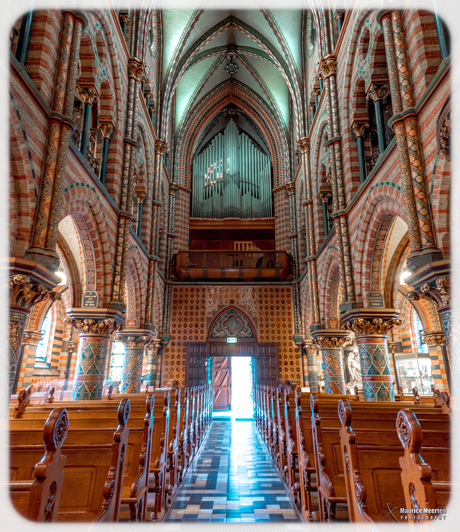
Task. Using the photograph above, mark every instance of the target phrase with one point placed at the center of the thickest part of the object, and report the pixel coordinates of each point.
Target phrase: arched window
(117, 360)
(43, 347)
(418, 331)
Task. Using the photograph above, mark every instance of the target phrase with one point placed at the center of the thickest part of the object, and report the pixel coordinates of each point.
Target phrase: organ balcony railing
(233, 265)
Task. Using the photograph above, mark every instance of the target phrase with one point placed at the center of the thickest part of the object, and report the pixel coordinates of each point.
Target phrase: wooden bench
(93, 472)
(38, 499)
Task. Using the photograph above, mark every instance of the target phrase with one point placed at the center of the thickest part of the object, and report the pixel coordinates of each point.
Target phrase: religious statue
(354, 369)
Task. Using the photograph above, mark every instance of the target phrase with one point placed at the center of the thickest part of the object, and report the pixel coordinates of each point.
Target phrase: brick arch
(382, 199)
(83, 204)
(207, 107)
(23, 188)
(67, 261)
(326, 271)
(87, 60)
(136, 269)
(378, 70)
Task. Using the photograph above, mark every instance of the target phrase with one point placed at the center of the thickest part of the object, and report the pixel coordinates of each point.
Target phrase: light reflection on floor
(233, 481)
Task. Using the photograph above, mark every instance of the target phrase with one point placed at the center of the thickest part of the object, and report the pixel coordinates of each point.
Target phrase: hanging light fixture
(231, 67)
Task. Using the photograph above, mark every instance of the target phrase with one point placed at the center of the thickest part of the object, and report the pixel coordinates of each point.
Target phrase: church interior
(229, 266)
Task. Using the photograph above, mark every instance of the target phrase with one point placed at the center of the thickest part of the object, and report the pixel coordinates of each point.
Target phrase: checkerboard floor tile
(232, 481)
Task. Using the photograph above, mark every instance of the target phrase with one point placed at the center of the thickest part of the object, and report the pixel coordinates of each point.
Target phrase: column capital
(376, 92)
(359, 128)
(435, 288)
(316, 91)
(135, 68)
(31, 337)
(106, 129)
(173, 188)
(303, 145)
(140, 194)
(310, 346)
(24, 293)
(339, 13)
(366, 322)
(88, 94)
(434, 338)
(328, 66)
(332, 338)
(99, 322)
(124, 17)
(290, 188)
(325, 195)
(160, 146)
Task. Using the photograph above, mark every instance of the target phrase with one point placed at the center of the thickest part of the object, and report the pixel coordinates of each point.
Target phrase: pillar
(331, 343)
(95, 327)
(376, 94)
(328, 70)
(106, 131)
(132, 365)
(359, 129)
(312, 110)
(324, 197)
(422, 243)
(88, 96)
(23, 37)
(304, 148)
(135, 72)
(370, 327)
(139, 194)
(25, 292)
(124, 19)
(440, 364)
(43, 248)
(30, 341)
(312, 365)
(290, 187)
(152, 364)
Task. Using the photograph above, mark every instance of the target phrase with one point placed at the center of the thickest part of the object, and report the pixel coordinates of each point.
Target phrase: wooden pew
(93, 472)
(183, 456)
(38, 499)
(173, 446)
(425, 480)
(292, 467)
(371, 455)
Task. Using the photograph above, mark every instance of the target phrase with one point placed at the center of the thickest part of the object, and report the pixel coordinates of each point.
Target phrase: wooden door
(222, 383)
(196, 366)
(267, 364)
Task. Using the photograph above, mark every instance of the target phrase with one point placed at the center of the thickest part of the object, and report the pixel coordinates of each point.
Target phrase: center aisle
(233, 481)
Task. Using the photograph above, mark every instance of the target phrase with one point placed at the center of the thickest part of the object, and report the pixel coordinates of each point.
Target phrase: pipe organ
(232, 177)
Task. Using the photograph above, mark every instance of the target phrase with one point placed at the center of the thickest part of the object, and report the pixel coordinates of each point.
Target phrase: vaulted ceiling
(266, 48)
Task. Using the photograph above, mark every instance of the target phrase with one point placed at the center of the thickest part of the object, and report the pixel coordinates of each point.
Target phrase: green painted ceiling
(281, 40)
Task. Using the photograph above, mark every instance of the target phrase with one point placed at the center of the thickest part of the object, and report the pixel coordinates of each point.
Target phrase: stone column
(440, 365)
(173, 189)
(135, 72)
(370, 327)
(152, 364)
(311, 348)
(43, 248)
(30, 341)
(376, 94)
(88, 95)
(358, 129)
(139, 194)
(290, 187)
(304, 147)
(25, 292)
(106, 130)
(95, 327)
(132, 365)
(404, 122)
(331, 343)
(328, 70)
(325, 196)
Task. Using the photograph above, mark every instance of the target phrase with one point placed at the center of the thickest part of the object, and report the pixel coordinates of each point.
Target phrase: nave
(233, 481)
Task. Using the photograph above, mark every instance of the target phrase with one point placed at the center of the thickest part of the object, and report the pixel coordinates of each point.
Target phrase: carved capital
(31, 337)
(72, 346)
(173, 188)
(376, 93)
(328, 67)
(88, 94)
(106, 130)
(124, 18)
(139, 194)
(331, 342)
(25, 294)
(310, 347)
(290, 187)
(444, 136)
(443, 288)
(359, 128)
(135, 69)
(160, 146)
(339, 13)
(303, 145)
(375, 326)
(434, 338)
(440, 294)
(103, 327)
(325, 196)
(316, 92)
(153, 346)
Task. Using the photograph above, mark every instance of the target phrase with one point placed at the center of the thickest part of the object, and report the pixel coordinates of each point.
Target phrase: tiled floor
(233, 481)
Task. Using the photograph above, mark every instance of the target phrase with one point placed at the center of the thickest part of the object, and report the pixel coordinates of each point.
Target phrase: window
(42, 346)
(117, 360)
(418, 330)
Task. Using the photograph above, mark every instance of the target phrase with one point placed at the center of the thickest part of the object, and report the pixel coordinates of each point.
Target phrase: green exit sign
(231, 340)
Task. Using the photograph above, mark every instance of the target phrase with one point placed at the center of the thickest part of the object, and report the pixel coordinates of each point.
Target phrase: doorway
(232, 382)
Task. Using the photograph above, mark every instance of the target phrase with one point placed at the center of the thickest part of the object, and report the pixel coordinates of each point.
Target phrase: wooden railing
(232, 265)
